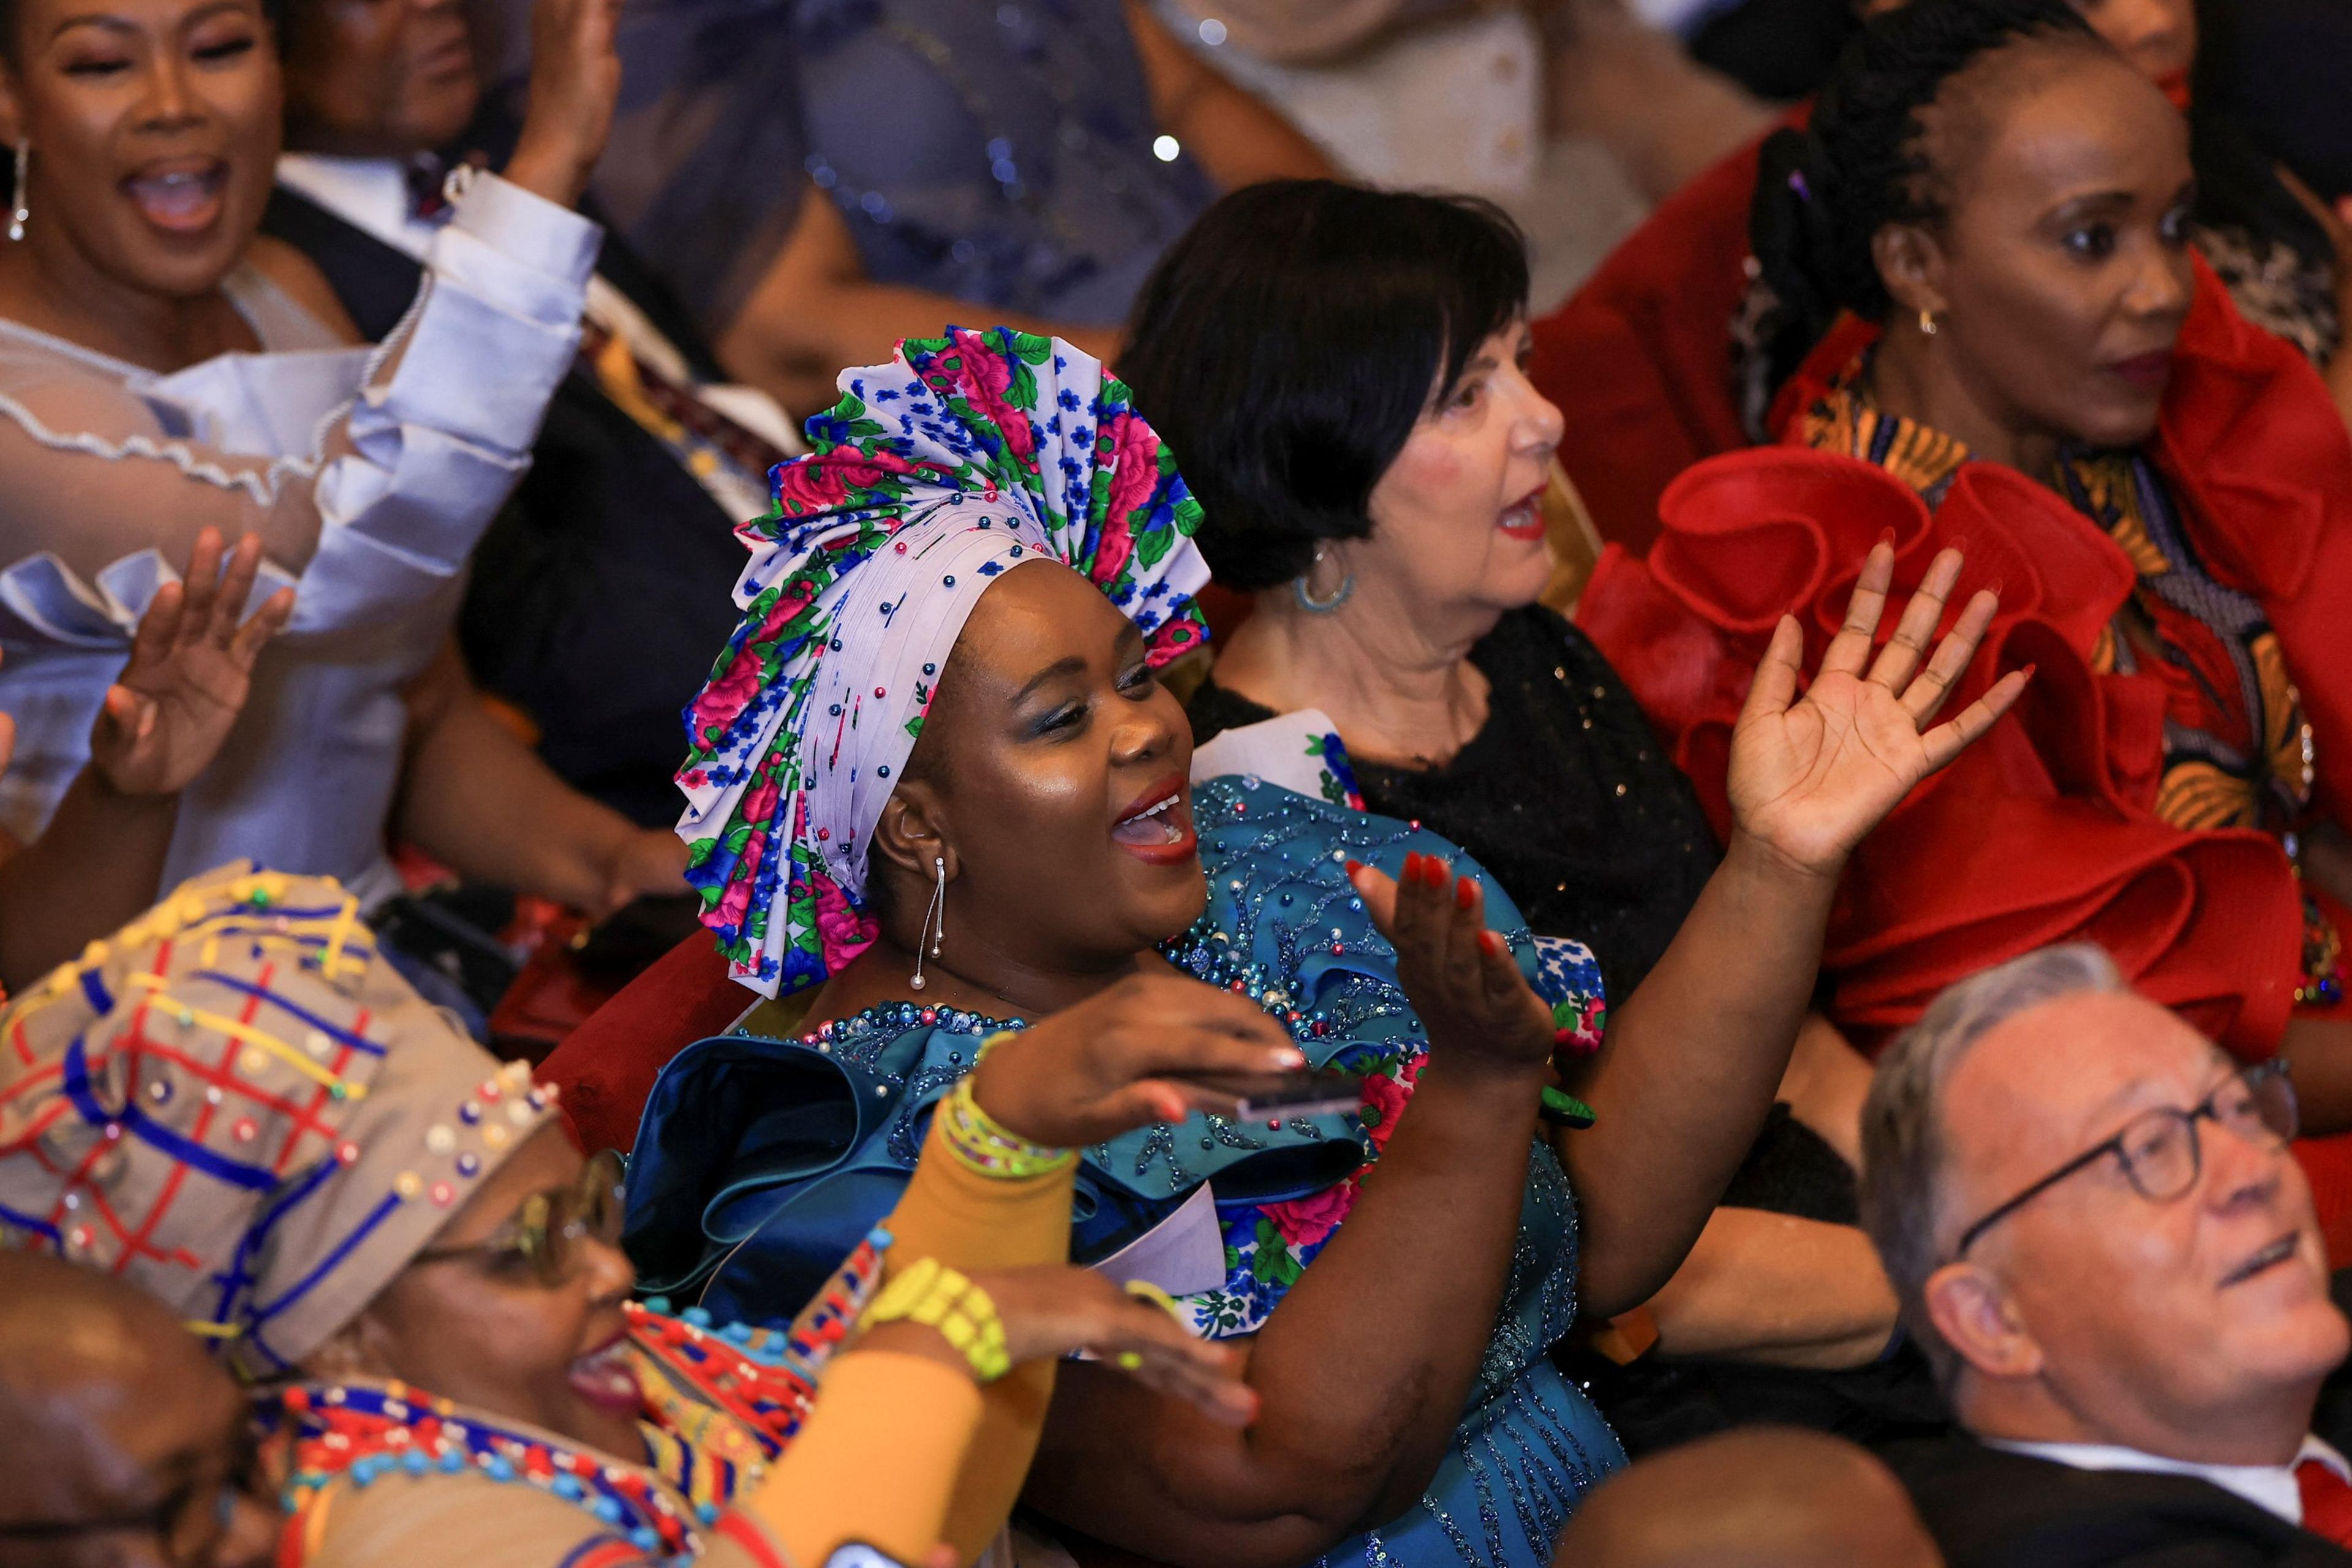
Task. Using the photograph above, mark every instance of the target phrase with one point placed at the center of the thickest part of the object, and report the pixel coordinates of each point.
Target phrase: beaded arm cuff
(987, 1148)
(939, 1298)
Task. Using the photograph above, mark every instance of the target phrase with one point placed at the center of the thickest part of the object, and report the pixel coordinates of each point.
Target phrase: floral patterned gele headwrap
(964, 456)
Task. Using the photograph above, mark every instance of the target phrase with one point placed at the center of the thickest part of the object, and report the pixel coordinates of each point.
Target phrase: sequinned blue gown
(761, 1162)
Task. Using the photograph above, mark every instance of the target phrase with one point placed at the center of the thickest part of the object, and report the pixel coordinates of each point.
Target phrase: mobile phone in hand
(1260, 1094)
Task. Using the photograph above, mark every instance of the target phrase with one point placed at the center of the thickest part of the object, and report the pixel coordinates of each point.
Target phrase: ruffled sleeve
(370, 473)
(2043, 832)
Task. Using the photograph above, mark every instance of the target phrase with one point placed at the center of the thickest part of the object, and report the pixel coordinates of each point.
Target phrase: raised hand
(164, 718)
(575, 79)
(1116, 1060)
(1811, 777)
(1459, 976)
(1051, 1311)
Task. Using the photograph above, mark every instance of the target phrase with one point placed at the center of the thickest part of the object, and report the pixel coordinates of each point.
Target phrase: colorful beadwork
(975, 1137)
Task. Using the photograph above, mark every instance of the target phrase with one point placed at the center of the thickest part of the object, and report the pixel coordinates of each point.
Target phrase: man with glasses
(2098, 1237)
(121, 1442)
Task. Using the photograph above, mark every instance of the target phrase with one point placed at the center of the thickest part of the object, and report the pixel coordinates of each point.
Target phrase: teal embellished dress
(761, 1162)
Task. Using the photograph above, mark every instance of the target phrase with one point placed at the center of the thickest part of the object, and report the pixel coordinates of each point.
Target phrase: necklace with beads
(747, 1393)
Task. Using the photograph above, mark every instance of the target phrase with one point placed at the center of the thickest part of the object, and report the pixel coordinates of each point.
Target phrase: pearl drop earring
(935, 920)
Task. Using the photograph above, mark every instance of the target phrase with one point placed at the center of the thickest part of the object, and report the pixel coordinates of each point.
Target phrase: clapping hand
(1118, 1060)
(1811, 777)
(1460, 977)
(575, 80)
(166, 715)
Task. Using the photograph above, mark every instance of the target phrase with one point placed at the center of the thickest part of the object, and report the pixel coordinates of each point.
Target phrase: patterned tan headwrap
(238, 1105)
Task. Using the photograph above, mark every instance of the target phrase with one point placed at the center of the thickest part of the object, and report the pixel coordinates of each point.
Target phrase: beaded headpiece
(238, 1105)
(963, 457)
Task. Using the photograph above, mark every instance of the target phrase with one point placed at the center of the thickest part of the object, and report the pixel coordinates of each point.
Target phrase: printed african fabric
(934, 474)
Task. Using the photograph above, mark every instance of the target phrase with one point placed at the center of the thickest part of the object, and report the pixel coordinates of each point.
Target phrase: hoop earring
(935, 920)
(24, 210)
(1308, 602)
(1928, 323)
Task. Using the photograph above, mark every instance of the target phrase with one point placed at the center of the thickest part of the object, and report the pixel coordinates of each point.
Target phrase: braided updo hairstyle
(1823, 193)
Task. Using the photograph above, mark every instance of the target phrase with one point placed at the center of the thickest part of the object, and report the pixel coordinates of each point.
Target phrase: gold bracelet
(939, 1298)
(977, 1140)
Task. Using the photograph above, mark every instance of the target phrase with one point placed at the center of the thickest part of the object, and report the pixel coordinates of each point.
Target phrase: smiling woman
(162, 371)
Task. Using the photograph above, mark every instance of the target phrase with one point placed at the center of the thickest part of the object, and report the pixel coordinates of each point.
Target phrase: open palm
(166, 715)
(1811, 777)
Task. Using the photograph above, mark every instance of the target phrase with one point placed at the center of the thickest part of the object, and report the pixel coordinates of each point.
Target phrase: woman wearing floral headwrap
(935, 772)
(237, 1104)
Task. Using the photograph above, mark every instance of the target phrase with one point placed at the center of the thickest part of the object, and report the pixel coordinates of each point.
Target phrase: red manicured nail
(1437, 871)
(1465, 892)
(1490, 944)
(1412, 868)
(1354, 866)
(2030, 669)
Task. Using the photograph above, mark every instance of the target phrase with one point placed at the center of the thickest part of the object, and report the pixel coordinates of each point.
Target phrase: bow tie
(427, 175)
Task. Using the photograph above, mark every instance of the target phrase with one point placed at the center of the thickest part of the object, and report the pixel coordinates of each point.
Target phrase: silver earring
(935, 920)
(24, 166)
(1927, 322)
(1308, 602)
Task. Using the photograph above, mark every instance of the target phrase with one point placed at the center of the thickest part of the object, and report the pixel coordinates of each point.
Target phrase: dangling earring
(24, 166)
(1308, 602)
(935, 920)
(1928, 323)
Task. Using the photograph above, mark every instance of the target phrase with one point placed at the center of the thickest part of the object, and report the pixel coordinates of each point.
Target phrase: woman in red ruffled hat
(1997, 330)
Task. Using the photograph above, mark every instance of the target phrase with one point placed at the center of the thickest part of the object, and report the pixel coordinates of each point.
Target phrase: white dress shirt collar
(2272, 1487)
(371, 194)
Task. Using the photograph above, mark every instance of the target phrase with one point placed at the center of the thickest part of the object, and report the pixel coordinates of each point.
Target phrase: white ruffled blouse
(369, 472)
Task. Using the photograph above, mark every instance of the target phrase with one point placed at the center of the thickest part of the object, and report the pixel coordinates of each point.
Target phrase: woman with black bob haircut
(1993, 323)
(1341, 368)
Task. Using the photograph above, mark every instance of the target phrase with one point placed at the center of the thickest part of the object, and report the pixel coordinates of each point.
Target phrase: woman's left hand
(191, 669)
(1810, 778)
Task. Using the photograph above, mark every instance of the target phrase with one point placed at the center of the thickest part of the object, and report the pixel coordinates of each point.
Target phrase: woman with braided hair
(1991, 324)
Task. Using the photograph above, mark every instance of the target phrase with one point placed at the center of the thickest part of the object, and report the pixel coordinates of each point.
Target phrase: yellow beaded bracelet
(977, 1140)
(939, 1298)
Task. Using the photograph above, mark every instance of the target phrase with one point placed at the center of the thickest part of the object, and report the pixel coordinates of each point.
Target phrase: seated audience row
(238, 1105)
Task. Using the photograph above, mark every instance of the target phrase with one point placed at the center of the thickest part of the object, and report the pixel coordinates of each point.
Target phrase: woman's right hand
(1118, 1060)
(575, 80)
(1460, 977)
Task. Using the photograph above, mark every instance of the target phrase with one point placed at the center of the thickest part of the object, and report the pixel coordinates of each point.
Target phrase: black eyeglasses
(546, 1234)
(189, 1522)
(2159, 1150)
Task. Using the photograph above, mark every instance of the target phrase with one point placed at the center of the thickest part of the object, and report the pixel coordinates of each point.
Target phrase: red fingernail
(1465, 892)
(2030, 669)
(1354, 866)
(1433, 871)
(1490, 944)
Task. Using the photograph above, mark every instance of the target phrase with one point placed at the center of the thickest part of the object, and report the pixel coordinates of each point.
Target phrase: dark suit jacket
(601, 594)
(1991, 1510)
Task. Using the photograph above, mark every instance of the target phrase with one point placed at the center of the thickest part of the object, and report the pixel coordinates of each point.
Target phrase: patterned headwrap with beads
(934, 474)
(238, 1105)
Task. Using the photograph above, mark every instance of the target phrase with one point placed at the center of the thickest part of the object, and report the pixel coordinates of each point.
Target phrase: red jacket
(2045, 831)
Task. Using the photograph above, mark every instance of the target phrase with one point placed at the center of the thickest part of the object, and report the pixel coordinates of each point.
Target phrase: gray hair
(1903, 1145)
